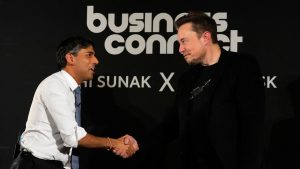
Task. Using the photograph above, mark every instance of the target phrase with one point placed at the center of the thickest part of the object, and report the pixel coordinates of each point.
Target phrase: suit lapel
(219, 69)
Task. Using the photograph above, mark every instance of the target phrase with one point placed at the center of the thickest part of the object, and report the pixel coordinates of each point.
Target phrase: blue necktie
(77, 93)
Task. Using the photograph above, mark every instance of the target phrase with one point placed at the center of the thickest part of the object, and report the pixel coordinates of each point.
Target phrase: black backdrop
(31, 30)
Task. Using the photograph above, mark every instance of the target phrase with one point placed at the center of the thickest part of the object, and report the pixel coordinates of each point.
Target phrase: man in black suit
(219, 104)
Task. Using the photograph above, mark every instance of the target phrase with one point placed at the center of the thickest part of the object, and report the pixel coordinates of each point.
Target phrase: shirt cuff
(73, 139)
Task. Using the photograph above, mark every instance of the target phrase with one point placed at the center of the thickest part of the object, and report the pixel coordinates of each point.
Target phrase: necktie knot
(77, 90)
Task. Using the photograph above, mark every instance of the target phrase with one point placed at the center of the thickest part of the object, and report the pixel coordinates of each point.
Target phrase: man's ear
(69, 58)
(206, 35)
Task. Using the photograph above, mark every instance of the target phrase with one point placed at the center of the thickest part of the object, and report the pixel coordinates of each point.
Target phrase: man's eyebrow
(182, 39)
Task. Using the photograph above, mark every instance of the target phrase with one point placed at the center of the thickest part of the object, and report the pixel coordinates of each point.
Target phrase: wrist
(109, 144)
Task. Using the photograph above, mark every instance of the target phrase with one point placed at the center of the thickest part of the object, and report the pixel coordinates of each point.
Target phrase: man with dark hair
(219, 103)
(53, 124)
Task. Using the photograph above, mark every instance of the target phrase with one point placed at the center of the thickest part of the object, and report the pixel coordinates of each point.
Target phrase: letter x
(167, 82)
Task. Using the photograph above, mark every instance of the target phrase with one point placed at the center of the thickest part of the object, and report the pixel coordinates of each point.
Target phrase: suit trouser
(28, 161)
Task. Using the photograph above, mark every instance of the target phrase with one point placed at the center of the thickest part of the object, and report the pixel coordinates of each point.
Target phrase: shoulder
(240, 60)
(54, 82)
(54, 78)
(244, 66)
(239, 57)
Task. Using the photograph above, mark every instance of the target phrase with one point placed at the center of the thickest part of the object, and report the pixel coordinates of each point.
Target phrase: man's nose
(181, 49)
(96, 60)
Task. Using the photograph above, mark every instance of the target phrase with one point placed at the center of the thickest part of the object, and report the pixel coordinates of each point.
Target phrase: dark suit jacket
(236, 120)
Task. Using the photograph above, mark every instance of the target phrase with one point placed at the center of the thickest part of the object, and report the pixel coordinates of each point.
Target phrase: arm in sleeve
(59, 102)
(251, 112)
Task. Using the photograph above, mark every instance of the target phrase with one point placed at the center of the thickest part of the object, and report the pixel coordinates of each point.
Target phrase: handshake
(124, 146)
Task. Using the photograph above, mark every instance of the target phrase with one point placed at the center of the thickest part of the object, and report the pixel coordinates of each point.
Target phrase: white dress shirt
(51, 128)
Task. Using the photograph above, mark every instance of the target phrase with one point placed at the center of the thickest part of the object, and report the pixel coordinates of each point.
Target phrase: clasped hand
(125, 146)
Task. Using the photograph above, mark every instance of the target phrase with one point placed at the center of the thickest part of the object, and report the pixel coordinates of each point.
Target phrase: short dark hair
(71, 45)
(201, 22)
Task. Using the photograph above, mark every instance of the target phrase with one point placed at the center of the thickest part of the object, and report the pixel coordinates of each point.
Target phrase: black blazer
(236, 122)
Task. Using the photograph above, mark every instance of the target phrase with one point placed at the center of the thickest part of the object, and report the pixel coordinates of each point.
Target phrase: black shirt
(199, 149)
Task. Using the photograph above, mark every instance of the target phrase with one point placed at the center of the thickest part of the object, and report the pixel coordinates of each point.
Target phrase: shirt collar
(70, 80)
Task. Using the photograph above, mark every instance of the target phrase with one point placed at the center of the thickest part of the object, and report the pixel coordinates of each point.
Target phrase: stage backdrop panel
(136, 80)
